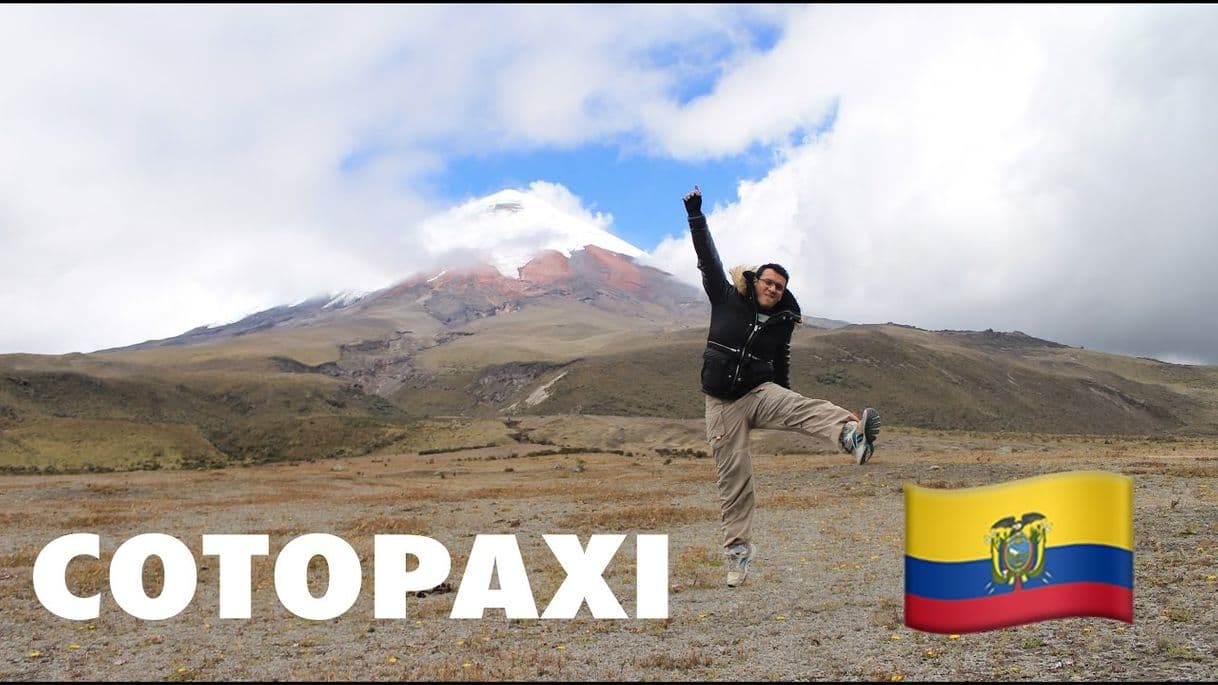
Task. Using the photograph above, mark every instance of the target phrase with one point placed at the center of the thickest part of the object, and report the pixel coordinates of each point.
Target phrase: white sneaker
(738, 559)
(861, 443)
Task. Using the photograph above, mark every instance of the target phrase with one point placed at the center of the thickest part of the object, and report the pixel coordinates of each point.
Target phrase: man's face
(769, 287)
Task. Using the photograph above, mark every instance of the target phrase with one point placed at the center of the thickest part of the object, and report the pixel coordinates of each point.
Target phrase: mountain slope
(115, 411)
(425, 306)
(581, 329)
(917, 378)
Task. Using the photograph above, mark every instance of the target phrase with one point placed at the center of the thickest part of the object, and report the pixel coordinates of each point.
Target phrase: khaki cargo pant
(728, 423)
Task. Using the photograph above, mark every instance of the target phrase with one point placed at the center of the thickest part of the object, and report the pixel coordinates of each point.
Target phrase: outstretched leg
(783, 409)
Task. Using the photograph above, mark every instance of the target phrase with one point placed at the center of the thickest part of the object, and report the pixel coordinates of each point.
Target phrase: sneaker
(738, 559)
(861, 443)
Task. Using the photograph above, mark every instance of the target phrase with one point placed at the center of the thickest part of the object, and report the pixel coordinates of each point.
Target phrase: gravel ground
(824, 601)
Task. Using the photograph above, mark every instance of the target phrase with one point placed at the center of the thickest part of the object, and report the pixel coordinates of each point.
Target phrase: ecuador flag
(1034, 549)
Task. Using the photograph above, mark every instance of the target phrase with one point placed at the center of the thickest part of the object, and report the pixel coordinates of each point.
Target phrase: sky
(1048, 169)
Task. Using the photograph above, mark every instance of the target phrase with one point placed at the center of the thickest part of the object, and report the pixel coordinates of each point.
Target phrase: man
(746, 379)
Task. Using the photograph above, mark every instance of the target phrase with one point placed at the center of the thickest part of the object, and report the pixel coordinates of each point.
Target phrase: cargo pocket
(717, 370)
(714, 421)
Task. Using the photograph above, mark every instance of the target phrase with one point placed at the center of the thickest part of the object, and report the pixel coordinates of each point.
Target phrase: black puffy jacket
(740, 353)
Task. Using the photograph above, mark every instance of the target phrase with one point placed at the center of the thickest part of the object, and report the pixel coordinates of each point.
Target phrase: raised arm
(713, 279)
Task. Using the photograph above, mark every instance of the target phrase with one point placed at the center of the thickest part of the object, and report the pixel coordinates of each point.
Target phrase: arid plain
(825, 600)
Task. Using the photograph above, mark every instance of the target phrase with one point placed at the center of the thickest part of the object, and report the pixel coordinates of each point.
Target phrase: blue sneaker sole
(871, 429)
(871, 424)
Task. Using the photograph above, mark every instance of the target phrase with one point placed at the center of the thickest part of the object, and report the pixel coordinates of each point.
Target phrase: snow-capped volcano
(509, 228)
(495, 254)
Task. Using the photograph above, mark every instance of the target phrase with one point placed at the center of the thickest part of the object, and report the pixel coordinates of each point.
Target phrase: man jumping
(746, 379)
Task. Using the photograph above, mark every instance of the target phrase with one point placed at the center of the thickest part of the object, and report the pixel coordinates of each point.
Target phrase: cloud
(166, 171)
(1031, 168)
(1035, 168)
(171, 166)
(508, 228)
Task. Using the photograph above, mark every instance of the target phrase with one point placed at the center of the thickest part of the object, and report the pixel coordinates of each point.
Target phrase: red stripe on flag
(1016, 608)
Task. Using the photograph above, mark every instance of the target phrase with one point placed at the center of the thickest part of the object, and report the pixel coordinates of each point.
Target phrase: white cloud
(508, 228)
(1045, 169)
(194, 164)
(1035, 168)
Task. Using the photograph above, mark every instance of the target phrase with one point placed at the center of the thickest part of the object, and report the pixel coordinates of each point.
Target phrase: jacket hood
(743, 277)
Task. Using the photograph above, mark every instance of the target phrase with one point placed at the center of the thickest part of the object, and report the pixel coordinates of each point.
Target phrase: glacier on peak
(509, 228)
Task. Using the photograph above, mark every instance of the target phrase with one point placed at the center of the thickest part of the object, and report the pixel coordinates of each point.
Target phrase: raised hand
(693, 202)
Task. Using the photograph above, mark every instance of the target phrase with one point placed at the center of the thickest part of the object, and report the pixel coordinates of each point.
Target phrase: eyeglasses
(773, 284)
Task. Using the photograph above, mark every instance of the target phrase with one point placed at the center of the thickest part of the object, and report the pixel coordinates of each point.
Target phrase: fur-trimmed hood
(743, 277)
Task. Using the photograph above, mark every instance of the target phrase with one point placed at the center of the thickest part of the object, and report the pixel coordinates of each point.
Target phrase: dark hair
(776, 267)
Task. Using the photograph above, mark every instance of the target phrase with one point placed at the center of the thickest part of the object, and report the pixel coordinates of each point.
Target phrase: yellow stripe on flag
(1083, 507)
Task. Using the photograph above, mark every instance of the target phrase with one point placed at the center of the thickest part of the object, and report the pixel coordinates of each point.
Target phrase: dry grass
(388, 525)
(638, 518)
(88, 444)
(680, 661)
(88, 576)
(697, 567)
(14, 518)
(826, 598)
(23, 558)
(789, 501)
(100, 519)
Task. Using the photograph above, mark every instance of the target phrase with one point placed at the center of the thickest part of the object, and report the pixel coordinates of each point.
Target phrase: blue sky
(1033, 168)
(701, 64)
(643, 194)
(621, 175)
